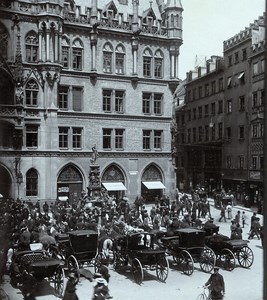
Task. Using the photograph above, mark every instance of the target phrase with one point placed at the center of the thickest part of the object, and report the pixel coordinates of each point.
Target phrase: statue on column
(95, 155)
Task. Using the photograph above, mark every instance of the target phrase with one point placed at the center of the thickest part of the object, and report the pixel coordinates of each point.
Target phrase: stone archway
(5, 183)
(152, 186)
(69, 184)
(113, 181)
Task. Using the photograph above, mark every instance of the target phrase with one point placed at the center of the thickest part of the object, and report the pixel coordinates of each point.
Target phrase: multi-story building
(244, 93)
(203, 125)
(223, 119)
(78, 75)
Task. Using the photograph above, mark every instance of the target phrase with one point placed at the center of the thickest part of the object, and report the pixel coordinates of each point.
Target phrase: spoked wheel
(245, 257)
(137, 270)
(185, 262)
(162, 269)
(227, 259)
(59, 281)
(73, 267)
(207, 260)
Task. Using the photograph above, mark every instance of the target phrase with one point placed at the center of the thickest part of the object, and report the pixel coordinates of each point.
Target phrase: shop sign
(255, 175)
(63, 189)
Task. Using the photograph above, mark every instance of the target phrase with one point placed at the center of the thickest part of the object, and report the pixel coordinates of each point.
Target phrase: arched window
(31, 183)
(147, 60)
(3, 41)
(31, 90)
(77, 55)
(31, 43)
(119, 59)
(158, 64)
(65, 52)
(107, 58)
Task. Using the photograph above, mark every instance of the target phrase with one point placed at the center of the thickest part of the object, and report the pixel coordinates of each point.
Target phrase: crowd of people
(23, 223)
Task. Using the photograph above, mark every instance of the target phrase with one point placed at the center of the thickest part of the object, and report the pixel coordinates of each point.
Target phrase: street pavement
(245, 284)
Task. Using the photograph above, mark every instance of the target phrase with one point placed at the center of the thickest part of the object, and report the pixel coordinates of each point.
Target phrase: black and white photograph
(132, 144)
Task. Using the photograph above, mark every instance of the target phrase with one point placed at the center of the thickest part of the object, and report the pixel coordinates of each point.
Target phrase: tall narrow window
(119, 138)
(206, 132)
(254, 162)
(4, 38)
(107, 138)
(63, 97)
(158, 64)
(77, 55)
(107, 100)
(220, 130)
(31, 183)
(147, 66)
(158, 104)
(146, 139)
(63, 137)
(119, 59)
(31, 43)
(242, 103)
(119, 99)
(31, 90)
(107, 58)
(77, 98)
(77, 138)
(146, 103)
(31, 136)
(157, 139)
(65, 52)
(229, 106)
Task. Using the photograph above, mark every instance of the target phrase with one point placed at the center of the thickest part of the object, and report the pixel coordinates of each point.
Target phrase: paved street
(245, 284)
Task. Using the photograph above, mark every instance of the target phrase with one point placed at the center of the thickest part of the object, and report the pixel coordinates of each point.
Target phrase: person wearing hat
(216, 285)
(101, 290)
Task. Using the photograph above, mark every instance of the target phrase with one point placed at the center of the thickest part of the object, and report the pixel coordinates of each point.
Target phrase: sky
(207, 23)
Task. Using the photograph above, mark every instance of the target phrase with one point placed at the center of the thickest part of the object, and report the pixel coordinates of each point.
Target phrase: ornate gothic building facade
(77, 75)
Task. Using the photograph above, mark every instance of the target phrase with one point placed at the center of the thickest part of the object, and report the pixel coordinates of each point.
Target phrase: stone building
(221, 124)
(81, 77)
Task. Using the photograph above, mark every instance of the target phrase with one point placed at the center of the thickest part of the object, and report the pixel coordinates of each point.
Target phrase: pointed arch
(65, 48)
(70, 183)
(31, 45)
(77, 54)
(147, 62)
(31, 92)
(152, 186)
(120, 59)
(107, 57)
(158, 64)
(113, 173)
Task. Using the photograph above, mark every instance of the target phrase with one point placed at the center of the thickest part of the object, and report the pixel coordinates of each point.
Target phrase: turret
(173, 18)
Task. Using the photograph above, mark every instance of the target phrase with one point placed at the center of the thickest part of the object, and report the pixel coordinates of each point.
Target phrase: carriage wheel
(137, 270)
(245, 257)
(162, 269)
(227, 259)
(73, 267)
(59, 281)
(207, 260)
(185, 262)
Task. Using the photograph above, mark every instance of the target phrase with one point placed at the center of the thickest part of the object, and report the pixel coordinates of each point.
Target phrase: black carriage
(30, 267)
(140, 251)
(79, 249)
(187, 247)
(228, 250)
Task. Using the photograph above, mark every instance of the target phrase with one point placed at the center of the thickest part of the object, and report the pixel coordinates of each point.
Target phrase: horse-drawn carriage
(79, 249)
(140, 251)
(187, 246)
(228, 250)
(30, 267)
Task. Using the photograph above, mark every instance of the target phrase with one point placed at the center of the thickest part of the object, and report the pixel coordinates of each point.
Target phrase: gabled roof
(149, 13)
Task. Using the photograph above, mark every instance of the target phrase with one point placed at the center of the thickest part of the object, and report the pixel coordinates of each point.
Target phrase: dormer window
(110, 11)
